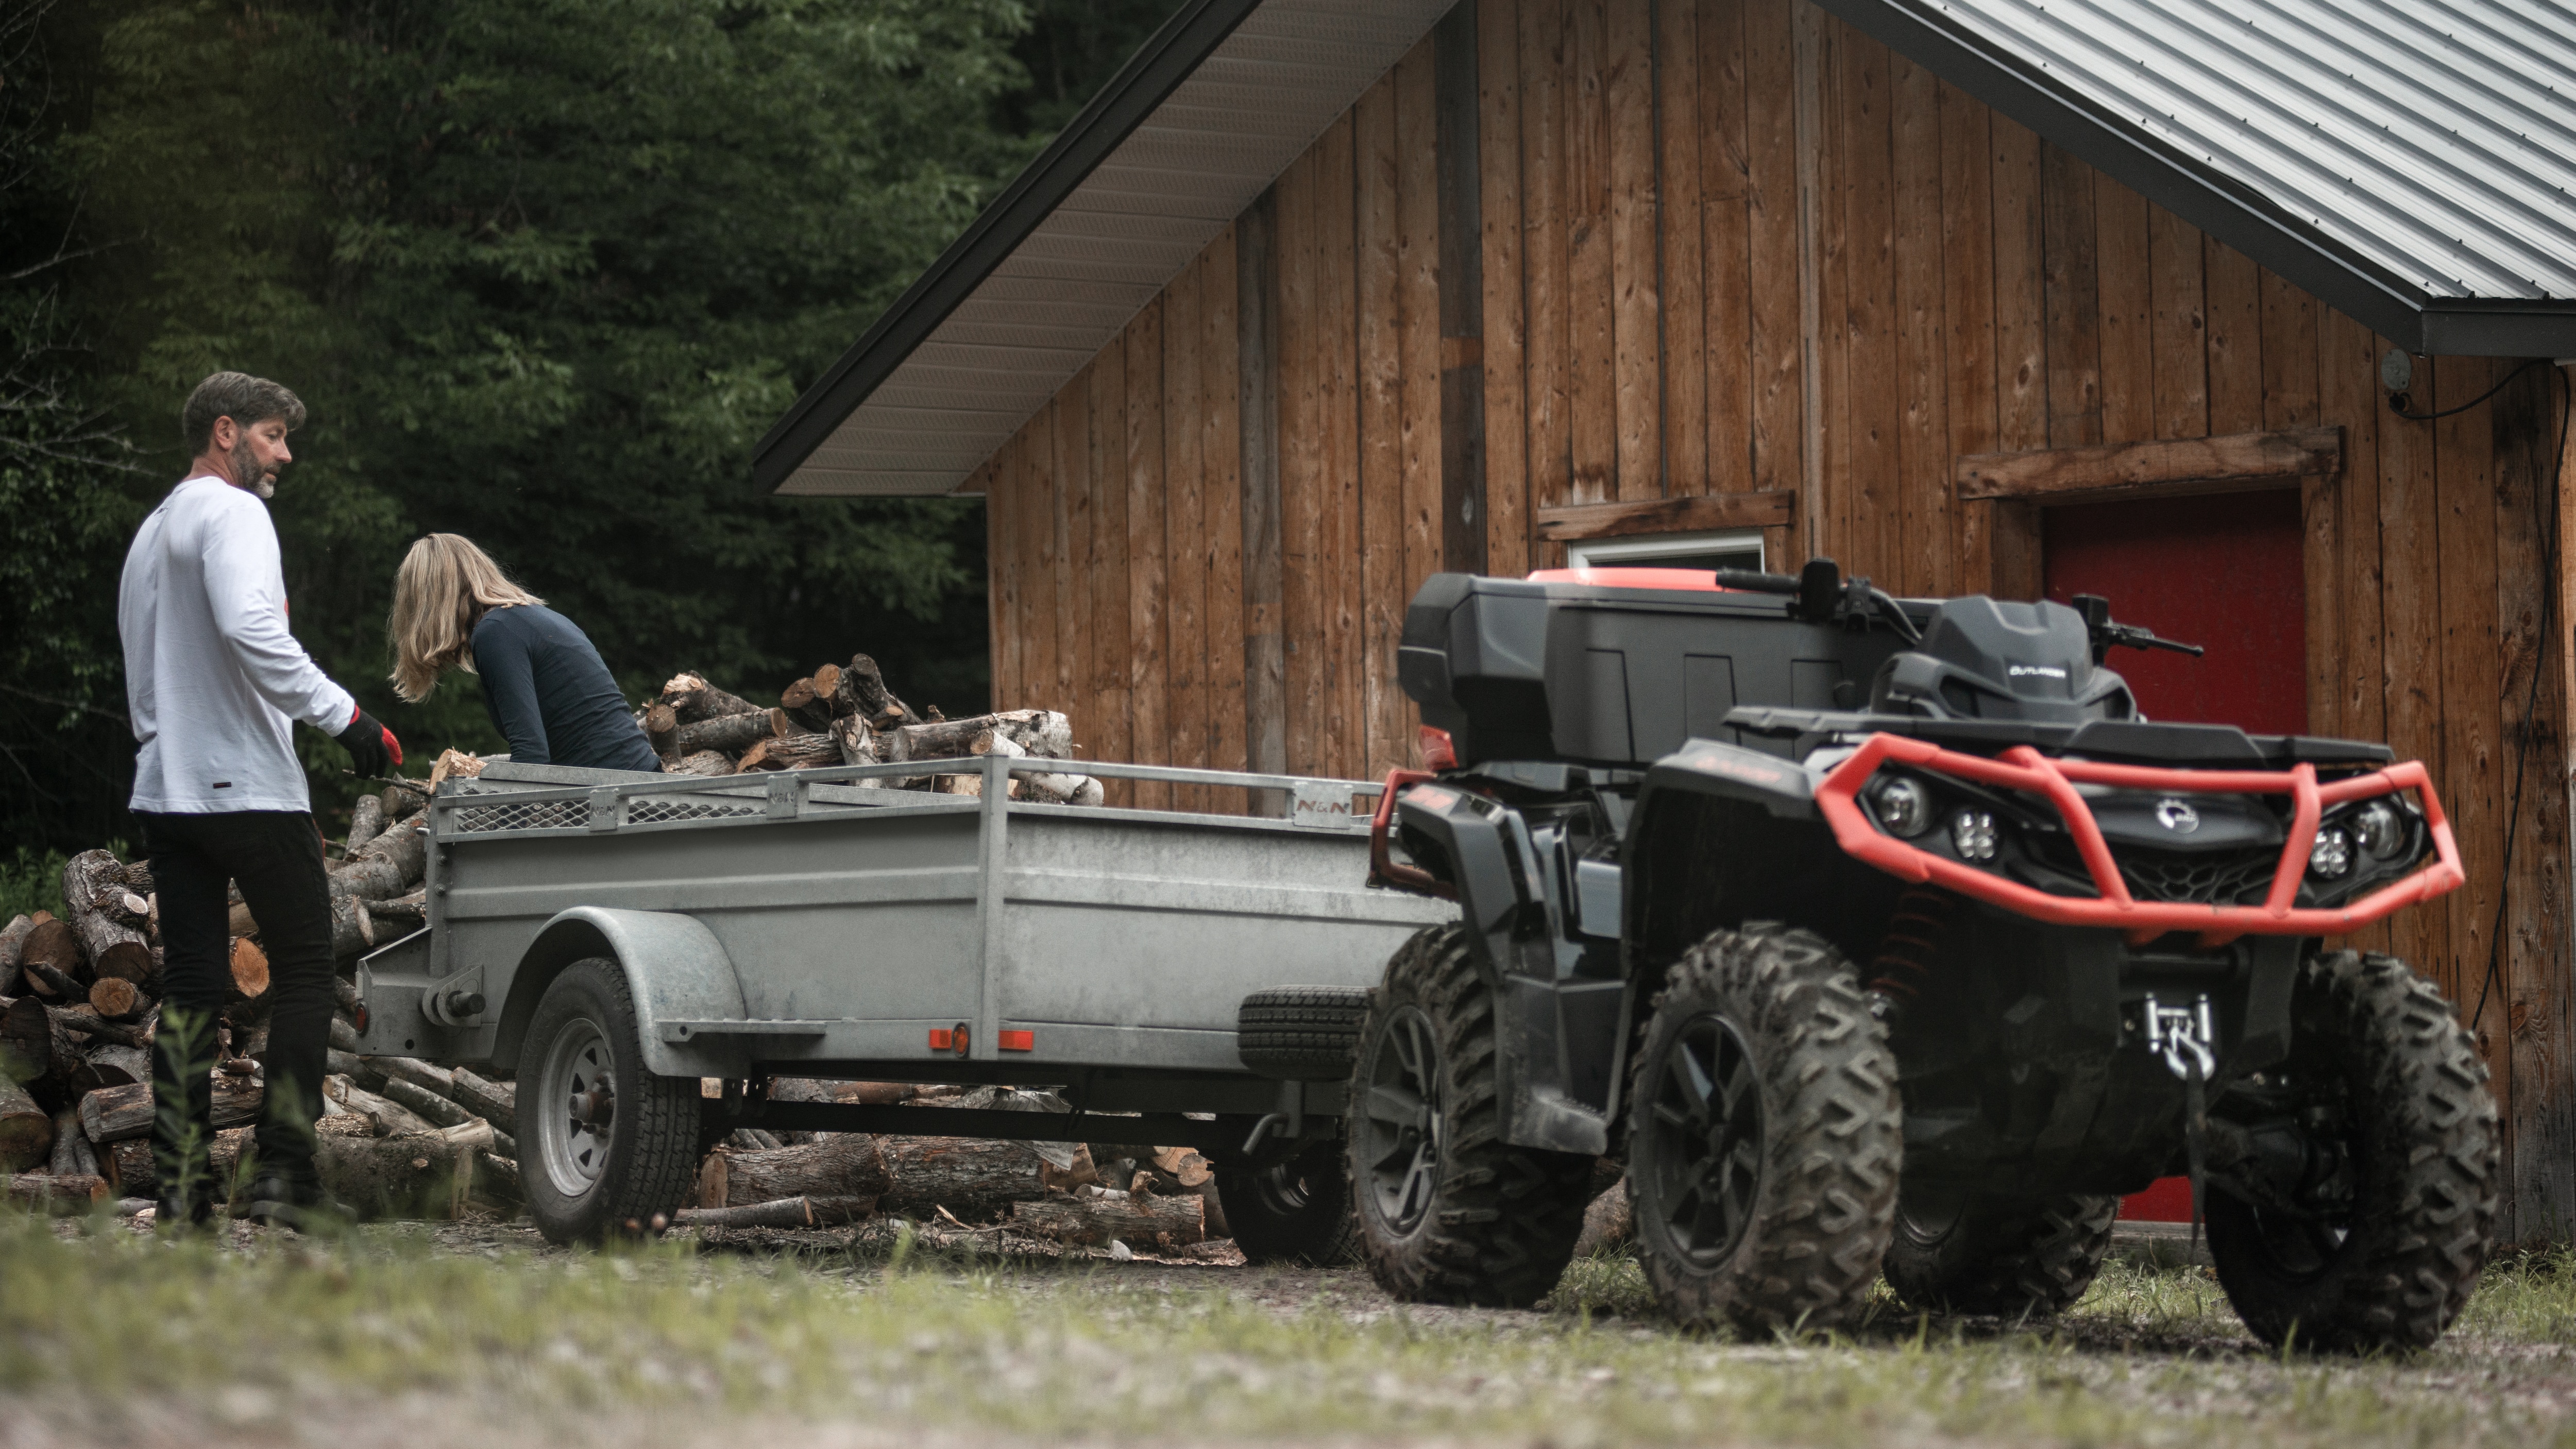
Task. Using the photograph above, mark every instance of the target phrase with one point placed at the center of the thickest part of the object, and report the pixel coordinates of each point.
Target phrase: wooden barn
(2242, 316)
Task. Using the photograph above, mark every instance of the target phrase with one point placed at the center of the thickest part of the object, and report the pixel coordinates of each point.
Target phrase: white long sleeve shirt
(213, 680)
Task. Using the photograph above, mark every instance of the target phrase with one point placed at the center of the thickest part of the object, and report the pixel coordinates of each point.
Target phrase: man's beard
(247, 469)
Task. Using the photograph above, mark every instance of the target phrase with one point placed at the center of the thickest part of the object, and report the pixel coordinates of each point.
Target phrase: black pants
(276, 855)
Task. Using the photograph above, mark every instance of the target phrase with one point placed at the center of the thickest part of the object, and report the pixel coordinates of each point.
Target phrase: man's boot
(183, 1118)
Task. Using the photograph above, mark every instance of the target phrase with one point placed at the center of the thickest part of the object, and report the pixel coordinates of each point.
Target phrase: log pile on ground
(845, 715)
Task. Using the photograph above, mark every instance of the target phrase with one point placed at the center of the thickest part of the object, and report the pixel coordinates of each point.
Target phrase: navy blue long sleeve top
(550, 695)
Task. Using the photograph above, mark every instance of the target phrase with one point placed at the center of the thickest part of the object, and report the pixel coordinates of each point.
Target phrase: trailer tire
(2405, 1085)
(1300, 1033)
(1298, 1211)
(1450, 1213)
(1966, 1253)
(1790, 1236)
(581, 1061)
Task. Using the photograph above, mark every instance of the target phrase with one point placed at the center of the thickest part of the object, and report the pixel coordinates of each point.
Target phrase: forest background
(543, 272)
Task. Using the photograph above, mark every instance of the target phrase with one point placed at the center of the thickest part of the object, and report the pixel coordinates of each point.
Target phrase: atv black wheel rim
(1706, 1124)
(1400, 1126)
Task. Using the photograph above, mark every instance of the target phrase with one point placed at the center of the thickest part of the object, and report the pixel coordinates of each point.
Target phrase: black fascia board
(1168, 57)
(2253, 224)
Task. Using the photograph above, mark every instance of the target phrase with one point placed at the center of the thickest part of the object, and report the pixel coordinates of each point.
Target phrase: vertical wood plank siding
(1202, 548)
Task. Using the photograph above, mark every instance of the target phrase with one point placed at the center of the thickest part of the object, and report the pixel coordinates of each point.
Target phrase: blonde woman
(544, 685)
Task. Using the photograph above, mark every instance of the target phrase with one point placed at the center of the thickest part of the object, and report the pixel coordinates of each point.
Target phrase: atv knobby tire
(2421, 1130)
(1448, 1212)
(1764, 1135)
(1965, 1253)
(1300, 1033)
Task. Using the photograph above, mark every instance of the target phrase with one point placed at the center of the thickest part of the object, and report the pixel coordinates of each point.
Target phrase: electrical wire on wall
(2544, 512)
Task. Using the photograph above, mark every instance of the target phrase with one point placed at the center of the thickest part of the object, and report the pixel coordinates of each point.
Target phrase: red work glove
(370, 744)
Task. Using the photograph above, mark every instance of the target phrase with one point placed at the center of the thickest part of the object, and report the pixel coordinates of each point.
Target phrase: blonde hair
(445, 584)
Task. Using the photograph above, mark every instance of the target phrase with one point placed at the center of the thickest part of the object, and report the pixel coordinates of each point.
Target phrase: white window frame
(1643, 550)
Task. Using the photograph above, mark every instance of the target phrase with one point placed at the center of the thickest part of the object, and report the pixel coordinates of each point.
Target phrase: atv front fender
(1482, 853)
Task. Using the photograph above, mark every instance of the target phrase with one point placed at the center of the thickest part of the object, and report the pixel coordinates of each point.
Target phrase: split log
(94, 889)
(454, 765)
(366, 822)
(844, 1164)
(974, 1178)
(1184, 1164)
(130, 1166)
(238, 920)
(793, 1212)
(26, 1133)
(62, 1197)
(88, 1023)
(414, 1174)
(704, 762)
(438, 1080)
(427, 1104)
(249, 969)
(858, 746)
(401, 915)
(73, 1156)
(37, 979)
(872, 1094)
(863, 690)
(731, 733)
(1053, 789)
(494, 1102)
(792, 752)
(353, 928)
(117, 999)
(1148, 1222)
(13, 936)
(1608, 1223)
(53, 946)
(385, 1116)
(659, 722)
(496, 1179)
(114, 1114)
(808, 704)
(1035, 731)
(390, 865)
(344, 998)
(119, 1066)
(692, 699)
(37, 1046)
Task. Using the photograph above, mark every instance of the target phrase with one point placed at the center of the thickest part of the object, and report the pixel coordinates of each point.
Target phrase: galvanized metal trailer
(619, 939)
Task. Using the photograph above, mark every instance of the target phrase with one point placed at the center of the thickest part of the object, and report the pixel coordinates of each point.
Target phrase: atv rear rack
(2025, 769)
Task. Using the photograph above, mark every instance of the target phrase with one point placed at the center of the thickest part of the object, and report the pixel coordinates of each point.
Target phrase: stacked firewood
(845, 715)
(80, 999)
(1085, 1193)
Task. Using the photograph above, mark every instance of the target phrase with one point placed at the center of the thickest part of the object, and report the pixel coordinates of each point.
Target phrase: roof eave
(1167, 58)
(2404, 314)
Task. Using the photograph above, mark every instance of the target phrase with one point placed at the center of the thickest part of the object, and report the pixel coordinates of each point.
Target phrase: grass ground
(481, 1336)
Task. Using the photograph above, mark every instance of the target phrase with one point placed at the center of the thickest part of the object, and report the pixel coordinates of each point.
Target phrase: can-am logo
(2050, 670)
(2177, 817)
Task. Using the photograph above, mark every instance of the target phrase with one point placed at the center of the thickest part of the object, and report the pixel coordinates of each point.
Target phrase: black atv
(1885, 936)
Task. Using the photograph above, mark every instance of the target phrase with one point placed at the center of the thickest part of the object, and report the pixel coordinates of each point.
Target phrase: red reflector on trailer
(1016, 1041)
(939, 1038)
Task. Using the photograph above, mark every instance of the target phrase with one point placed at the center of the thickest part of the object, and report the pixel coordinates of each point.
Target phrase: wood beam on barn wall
(1456, 64)
(1265, 657)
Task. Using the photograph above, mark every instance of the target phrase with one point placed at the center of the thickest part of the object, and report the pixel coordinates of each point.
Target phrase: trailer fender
(675, 969)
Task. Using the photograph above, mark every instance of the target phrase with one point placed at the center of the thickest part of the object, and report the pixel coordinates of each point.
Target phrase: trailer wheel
(1961, 1252)
(610, 1147)
(1448, 1213)
(2404, 1192)
(1763, 1135)
(1298, 1211)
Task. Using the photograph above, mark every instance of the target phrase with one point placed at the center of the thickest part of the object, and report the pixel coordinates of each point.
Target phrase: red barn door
(2223, 570)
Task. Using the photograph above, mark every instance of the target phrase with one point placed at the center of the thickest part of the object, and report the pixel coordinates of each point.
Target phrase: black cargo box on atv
(1520, 670)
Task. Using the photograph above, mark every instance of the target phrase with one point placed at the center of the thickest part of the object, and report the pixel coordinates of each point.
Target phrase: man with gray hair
(214, 683)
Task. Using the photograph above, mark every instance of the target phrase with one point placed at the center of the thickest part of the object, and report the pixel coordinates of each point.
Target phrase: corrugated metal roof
(2423, 150)
(1064, 288)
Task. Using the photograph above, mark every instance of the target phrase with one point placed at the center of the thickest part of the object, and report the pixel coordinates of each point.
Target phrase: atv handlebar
(2108, 635)
(1823, 595)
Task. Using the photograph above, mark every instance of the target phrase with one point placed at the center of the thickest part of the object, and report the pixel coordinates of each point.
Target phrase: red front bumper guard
(2025, 769)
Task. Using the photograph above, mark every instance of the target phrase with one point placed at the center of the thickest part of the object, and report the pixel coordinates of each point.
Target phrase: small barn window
(1722, 549)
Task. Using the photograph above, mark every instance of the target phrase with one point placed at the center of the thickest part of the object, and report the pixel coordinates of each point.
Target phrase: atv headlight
(1972, 834)
(2381, 829)
(1904, 806)
(2331, 857)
